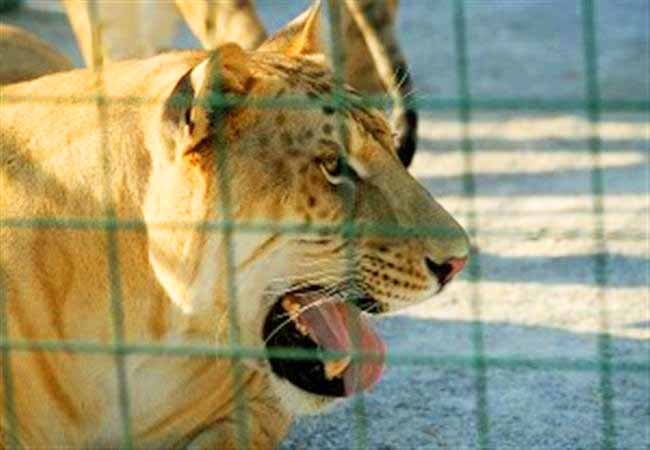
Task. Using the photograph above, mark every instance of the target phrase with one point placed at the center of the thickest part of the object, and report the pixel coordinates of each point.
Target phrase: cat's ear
(196, 101)
(300, 37)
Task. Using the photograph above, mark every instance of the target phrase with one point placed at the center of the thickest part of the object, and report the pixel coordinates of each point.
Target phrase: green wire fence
(478, 361)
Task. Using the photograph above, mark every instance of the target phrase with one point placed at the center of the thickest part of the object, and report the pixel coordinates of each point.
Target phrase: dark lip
(306, 374)
(368, 304)
(442, 286)
(365, 303)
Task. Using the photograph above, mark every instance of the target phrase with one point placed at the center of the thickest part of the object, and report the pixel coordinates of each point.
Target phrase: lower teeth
(334, 368)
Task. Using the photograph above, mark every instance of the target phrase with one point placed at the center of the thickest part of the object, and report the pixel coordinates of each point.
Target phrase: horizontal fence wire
(421, 102)
(479, 361)
(401, 358)
(288, 228)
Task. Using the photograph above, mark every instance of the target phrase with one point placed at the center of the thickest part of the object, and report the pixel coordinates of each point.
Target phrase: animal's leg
(117, 29)
(215, 22)
(360, 68)
(158, 25)
(374, 21)
(79, 16)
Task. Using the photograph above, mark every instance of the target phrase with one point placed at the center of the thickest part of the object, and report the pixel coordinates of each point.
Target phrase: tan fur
(143, 163)
(24, 56)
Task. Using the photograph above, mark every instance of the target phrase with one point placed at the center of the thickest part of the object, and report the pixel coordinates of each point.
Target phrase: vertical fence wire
(116, 299)
(221, 159)
(593, 108)
(8, 435)
(348, 230)
(469, 189)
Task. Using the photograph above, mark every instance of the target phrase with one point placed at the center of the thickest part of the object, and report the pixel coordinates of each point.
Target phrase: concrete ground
(540, 306)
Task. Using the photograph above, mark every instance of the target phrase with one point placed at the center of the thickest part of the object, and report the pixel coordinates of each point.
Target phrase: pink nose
(457, 265)
(446, 271)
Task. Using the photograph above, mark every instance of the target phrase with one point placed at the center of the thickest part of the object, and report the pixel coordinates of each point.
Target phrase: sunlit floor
(537, 228)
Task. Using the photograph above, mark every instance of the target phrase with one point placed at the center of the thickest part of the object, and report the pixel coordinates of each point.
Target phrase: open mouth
(311, 319)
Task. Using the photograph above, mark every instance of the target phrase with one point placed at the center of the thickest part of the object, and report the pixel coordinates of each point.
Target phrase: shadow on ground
(435, 407)
(555, 144)
(621, 270)
(568, 182)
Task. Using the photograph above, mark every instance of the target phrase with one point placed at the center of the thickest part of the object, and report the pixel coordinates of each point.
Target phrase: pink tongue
(332, 326)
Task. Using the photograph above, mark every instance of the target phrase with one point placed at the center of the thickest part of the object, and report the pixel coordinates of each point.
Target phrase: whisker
(399, 83)
(300, 311)
(332, 294)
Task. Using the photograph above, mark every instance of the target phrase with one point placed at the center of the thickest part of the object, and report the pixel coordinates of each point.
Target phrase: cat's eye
(337, 170)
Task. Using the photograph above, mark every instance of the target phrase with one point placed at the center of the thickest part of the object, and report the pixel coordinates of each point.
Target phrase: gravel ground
(540, 307)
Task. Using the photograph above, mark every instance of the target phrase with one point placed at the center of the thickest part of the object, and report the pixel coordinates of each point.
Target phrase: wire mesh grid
(478, 361)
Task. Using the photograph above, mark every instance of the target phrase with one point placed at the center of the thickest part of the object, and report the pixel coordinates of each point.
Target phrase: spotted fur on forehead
(306, 77)
(373, 123)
